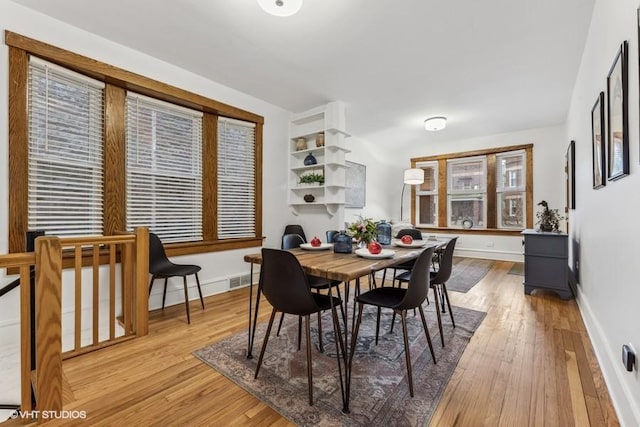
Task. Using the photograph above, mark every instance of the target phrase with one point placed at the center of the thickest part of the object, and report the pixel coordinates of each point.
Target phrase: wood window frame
(491, 190)
(118, 82)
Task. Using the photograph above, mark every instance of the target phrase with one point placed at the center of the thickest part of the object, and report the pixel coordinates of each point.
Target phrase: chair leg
(186, 298)
(299, 331)
(264, 344)
(426, 332)
(446, 296)
(378, 325)
(435, 297)
(164, 293)
(200, 291)
(280, 324)
(320, 333)
(153, 278)
(309, 370)
(407, 355)
(393, 322)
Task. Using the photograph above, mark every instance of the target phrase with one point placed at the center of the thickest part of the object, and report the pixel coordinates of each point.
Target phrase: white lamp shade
(281, 7)
(435, 123)
(413, 176)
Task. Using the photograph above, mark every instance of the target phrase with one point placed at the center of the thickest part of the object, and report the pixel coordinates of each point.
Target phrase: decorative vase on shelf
(301, 144)
(310, 160)
(320, 140)
(309, 198)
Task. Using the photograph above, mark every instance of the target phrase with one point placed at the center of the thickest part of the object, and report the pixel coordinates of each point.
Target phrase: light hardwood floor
(529, 363)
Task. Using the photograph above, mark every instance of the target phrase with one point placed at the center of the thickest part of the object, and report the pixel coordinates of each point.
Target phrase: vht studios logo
(49, 415)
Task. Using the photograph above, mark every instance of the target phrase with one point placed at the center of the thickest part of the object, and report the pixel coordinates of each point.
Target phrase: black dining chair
(331, 234)
(160, 267)
(399, 300)
(295, 229)
(286, 287)
(408, 265)
(292, 241)
(438, 282)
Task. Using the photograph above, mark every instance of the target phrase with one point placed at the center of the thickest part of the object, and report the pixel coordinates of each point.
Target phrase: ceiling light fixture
(435, 123)
(281, 7)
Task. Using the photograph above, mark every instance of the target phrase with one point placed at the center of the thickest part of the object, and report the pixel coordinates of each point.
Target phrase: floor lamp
(412, 177)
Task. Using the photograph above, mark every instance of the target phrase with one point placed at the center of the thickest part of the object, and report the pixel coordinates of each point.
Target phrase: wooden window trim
(118, 81)
(490, 153)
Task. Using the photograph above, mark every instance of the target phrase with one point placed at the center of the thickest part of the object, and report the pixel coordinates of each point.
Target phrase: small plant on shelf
(312, 178)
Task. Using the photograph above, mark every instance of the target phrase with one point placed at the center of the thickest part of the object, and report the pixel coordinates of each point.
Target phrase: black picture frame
(571, 175)
(598, 147)
(618, 116)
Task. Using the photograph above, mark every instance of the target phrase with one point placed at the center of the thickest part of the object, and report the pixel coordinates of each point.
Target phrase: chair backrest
(157, 255)
(446, 263)
(295, 229)
(413, 232)
(285, 284)
(419, 283)
(291, 241)
(331, 234)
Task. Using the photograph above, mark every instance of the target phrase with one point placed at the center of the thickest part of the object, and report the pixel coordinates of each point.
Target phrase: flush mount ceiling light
(281, 7)
(435, 123)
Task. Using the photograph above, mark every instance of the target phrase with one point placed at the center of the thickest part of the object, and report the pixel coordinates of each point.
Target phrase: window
(92, 157)
(467, 192)
(510, 188)
(65, 113)
(236, 179)
(164, 168)
(427, 195)
(485, 191)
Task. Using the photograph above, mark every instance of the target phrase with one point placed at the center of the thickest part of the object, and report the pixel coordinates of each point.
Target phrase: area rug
(467, 272)
(517, 269)
(379, 388)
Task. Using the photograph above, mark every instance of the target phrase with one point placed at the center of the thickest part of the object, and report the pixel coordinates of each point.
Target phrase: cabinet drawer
(546, 246)
(546, 272)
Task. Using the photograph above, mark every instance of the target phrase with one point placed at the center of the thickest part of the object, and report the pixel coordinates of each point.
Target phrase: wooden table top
(345, 267)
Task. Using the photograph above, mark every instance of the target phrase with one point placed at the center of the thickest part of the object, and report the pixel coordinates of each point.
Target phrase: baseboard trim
(493, 254)
(626, 408)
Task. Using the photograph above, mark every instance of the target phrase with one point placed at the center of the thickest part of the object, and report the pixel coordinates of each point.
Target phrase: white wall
(604, 225)
(549, 147)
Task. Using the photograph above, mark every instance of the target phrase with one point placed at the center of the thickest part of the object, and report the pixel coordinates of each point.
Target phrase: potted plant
(312, 179)
(548, 219)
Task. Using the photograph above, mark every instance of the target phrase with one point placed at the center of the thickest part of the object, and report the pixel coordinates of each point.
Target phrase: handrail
(47, 260)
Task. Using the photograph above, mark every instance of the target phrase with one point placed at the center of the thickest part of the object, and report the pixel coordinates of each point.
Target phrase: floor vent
(236, 282)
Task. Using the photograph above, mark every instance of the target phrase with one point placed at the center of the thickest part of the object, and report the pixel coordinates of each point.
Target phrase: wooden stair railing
(47, 259)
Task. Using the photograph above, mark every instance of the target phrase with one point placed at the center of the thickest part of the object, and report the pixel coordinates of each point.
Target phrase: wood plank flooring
(529, 363)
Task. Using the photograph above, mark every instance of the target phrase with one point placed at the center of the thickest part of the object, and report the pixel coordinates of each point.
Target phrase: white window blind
(65, 151)
(164, 168)
(236, 179)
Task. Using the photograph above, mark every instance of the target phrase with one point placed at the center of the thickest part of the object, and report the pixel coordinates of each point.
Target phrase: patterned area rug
(379, 388)
(467, 272)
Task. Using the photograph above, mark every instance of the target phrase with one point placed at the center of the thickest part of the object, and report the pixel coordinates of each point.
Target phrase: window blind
(164, 168)
(236, 179)
(65, 113)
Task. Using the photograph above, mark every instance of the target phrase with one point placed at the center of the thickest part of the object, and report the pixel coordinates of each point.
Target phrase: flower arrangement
(548, 219)
(311, 178)
(364, 229)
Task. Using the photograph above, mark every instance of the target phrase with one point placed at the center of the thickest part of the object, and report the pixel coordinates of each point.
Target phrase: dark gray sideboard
(546, 262)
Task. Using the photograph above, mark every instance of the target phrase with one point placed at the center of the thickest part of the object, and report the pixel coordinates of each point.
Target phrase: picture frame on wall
(571, 175)
(598, 146)
(356, 179)
(618, 116)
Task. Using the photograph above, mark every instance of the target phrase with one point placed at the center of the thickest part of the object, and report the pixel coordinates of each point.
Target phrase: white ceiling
(490, 66)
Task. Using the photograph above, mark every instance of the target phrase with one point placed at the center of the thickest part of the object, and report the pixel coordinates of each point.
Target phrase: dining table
(341, 267)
